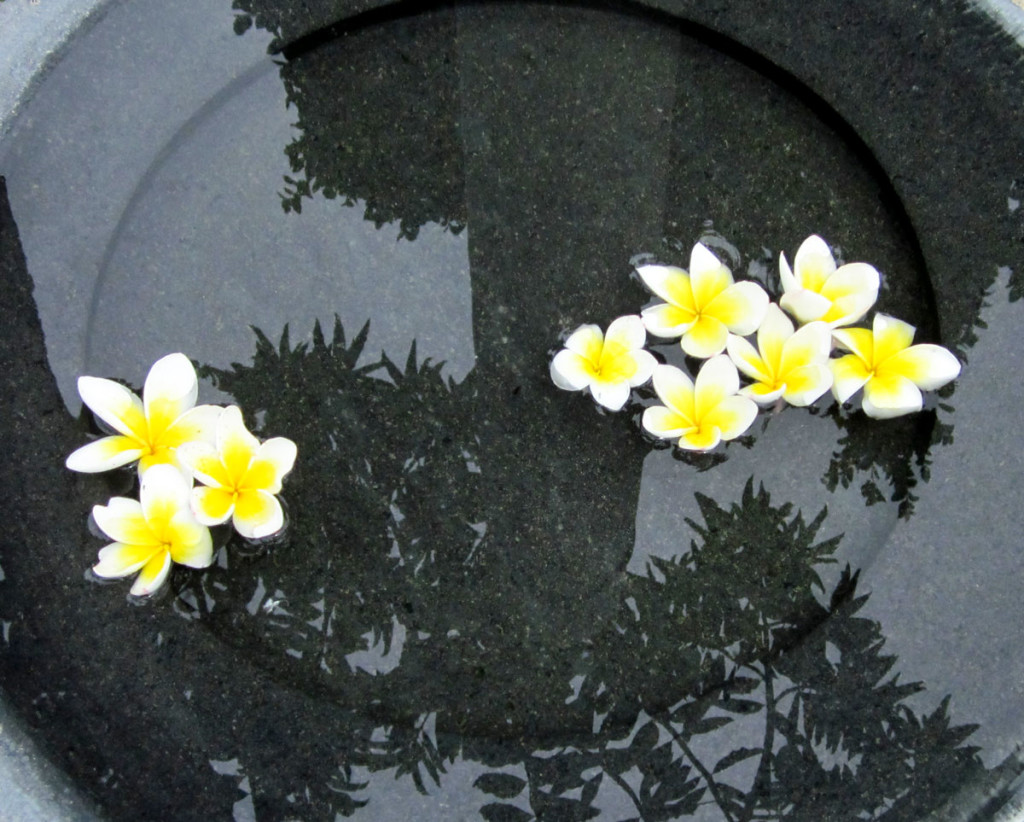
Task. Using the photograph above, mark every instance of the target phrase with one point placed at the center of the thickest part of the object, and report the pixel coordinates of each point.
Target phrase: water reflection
(729, 676)
(464, 617)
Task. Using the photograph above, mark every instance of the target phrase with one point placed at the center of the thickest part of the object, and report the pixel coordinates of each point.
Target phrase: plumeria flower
(153, 532)
(151, 429)
(240, 477)
(786, 363)
(701, 306)
(891, 370)
(702, 413)
(815, 289)
(610, 365)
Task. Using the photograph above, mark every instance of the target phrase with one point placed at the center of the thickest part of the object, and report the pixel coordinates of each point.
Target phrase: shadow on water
(452, 596)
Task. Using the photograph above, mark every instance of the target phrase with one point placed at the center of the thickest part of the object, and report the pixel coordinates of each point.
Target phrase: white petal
(806, 384)
(787, 277)
(104, 454)
(114, 404)
(153, 575)
(746, 358)
(259, 516)
(848, 376)
(231, 431)
(627, 331)
(164, 487)
(805, 305)
(927, 366)
(718, 373)
(667, 321)
(814, 262)
(663, 422)
(663, 280)
(587, 341)
(119, 560)
(894, 397)
(171, 381)
(611, 395)
(272, 462)
(645, 365)
(675, 389)
(570, 371)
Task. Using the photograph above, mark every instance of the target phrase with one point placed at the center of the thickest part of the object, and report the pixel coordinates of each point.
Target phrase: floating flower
(815, 289)
(701, 306)
(151, 429)
(608, 364)
(786, 363)
(240, 477)
(153, 532)
(891, 370)
(702, 413)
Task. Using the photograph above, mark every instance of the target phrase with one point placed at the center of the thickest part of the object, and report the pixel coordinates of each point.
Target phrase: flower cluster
(177, 443)
(713, 318)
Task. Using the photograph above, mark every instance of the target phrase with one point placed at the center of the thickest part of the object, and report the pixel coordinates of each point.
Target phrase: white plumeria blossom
(701, 306)
(891, 371)
(240, 477)
(702, 413)
(152, 533)
(151, 429)
(816, 289)
(609, 364)
(787, 363)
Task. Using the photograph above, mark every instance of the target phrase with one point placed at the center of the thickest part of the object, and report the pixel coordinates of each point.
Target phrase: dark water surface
(494, 601)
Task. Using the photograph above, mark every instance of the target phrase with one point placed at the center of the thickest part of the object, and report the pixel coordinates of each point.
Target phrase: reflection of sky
(189, 245)
(947, 585)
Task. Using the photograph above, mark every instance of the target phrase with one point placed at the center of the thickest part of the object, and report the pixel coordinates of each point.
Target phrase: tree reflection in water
(727, 678)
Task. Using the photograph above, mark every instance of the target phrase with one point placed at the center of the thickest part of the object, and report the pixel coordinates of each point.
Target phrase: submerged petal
(104, 454)
(891, 396)
(257, 515)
